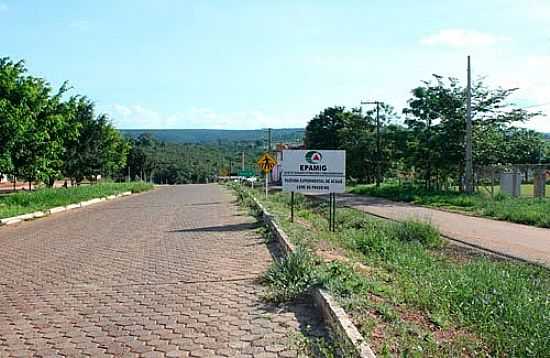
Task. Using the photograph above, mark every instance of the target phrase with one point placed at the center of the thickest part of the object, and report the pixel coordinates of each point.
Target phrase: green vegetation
(427, 145)
(217, 136)
(176, 163)
(528, 211)
(410, 293)
(291, 276)
(42, 199)
(44, 137)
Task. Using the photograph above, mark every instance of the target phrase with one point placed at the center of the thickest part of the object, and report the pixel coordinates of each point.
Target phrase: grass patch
(27, 202)
(523, 210)
(410, 295)
(292, 276)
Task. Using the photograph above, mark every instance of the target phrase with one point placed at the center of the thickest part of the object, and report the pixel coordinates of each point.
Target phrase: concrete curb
(331, 311)
(59, 209)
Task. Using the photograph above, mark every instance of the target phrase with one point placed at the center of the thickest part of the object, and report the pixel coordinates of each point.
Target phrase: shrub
(415, 231)
(292, 276)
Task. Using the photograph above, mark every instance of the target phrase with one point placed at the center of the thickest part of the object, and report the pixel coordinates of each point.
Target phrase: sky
(238, 64)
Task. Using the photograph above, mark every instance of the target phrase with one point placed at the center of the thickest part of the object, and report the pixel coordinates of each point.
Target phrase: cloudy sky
(239, 64)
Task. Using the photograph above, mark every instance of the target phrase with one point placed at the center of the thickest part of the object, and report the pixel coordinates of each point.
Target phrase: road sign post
(292, 207)
(266, 163)
(266, 180)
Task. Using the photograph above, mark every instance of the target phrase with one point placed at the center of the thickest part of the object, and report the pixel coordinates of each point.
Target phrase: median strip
(331, 311)
(59, 209)
(405, 288)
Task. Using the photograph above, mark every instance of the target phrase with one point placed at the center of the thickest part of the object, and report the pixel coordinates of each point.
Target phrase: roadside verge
(333, 314)
(40, 214)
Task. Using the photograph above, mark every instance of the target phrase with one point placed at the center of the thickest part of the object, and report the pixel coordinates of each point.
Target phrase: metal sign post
(266, 163)
(266, 183)
(291, 206)
(332, 212)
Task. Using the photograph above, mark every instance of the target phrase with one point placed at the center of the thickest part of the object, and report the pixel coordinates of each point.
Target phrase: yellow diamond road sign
(266, 162)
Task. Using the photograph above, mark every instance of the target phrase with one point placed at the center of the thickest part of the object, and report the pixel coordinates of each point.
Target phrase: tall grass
(291, 276)
(27, 202)
(505, 304)
(529, 211)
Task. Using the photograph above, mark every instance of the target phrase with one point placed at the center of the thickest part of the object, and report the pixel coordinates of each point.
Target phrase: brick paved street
(167, 273)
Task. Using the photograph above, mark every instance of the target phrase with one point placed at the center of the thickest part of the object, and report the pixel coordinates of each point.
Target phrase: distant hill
(203, 136)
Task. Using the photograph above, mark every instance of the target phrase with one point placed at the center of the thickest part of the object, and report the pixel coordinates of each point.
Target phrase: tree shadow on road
(221, 228)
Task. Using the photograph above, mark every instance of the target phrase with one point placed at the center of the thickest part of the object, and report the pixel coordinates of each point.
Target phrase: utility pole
(268, 140)
(242, 161)
(268, 151)
(469, 167)
(378, 145)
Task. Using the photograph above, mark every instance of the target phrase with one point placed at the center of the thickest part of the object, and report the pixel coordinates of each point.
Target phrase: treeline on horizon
(47, 135)
(426, 145)
(218, 136)
(162, 162)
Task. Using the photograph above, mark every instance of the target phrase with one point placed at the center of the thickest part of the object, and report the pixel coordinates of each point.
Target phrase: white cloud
(139, 117)
(531, 75)
(459, 38)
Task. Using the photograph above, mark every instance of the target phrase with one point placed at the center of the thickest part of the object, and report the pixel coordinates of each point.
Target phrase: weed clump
(292, 276)
(415, 231)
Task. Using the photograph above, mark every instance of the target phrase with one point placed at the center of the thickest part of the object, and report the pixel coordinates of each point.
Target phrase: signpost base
(291, 206)
(332, 212)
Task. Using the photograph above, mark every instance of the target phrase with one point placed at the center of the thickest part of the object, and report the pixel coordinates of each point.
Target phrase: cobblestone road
(171, 273)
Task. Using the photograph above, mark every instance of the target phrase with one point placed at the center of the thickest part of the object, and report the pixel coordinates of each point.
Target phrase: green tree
(11, 111)
(436, 116)
(322, 129)
(98, 148)
(34, 124)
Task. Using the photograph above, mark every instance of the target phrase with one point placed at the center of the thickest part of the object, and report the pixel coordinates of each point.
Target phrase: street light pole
(378, 145)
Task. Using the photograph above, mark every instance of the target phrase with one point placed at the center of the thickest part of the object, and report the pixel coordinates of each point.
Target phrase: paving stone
(168, 273)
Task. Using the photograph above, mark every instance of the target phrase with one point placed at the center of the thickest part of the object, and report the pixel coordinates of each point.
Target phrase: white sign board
(314, 171)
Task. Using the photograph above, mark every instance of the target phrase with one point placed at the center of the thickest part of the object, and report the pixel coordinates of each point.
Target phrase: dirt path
(171, 272)
(516, 240)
